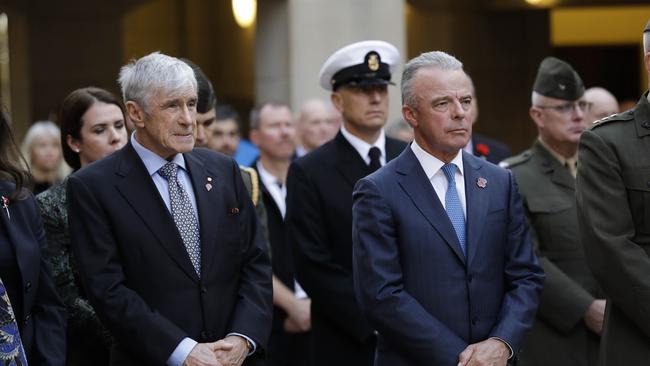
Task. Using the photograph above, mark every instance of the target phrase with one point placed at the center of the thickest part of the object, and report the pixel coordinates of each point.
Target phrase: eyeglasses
(567, 108)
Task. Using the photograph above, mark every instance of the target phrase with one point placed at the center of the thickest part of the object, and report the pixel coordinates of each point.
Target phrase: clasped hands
(490, 352)
(230, 351)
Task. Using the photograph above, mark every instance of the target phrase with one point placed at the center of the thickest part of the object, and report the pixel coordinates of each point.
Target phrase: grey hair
(142, 78)
(254, 118)
(435, 59)
(646, 42)
(536, 99)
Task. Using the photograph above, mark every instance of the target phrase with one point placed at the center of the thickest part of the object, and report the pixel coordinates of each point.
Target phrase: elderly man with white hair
(169, 247)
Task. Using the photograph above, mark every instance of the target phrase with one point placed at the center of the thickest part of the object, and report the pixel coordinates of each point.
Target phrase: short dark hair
(12, 163)
(205, 93)
(74, 107)
(226, 111)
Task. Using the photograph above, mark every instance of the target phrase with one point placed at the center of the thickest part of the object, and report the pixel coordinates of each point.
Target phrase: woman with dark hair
(92, 127)
(30, 309)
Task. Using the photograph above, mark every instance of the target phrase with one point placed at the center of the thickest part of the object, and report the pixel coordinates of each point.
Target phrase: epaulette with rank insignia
(625, 116)
(255, 184)
(516, 160)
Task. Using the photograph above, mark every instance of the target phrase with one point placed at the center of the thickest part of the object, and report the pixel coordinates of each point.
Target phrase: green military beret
(557, 79)
(647, 27)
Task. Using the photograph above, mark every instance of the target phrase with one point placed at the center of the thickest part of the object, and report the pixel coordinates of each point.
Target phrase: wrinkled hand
(234, 356)
(203, 354)
(299, 317)
(594, 316)
(490, 352)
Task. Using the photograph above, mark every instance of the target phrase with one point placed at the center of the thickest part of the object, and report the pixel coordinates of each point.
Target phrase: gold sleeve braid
(255, 184)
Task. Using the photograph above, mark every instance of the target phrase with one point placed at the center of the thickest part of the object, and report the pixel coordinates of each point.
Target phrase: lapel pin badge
(208, 185)
(5, 205)
(234, 210)
(481, 182)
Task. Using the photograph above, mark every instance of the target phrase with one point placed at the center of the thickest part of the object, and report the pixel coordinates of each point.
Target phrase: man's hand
(298, 317)
(234, 356)
(203, 354)
(594, 316)
(490, 352)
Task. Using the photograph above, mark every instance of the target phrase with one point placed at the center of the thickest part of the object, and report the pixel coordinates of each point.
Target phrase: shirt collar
(152, 161)
(560, 158)
(431, 164)
(363, 147)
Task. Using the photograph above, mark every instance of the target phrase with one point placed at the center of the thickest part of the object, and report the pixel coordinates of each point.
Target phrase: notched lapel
(477, 200)
(141, 193)
(413, 180)
(348, 161)
(209, 203)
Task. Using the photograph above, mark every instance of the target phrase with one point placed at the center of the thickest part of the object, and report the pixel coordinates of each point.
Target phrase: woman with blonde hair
(42, 150)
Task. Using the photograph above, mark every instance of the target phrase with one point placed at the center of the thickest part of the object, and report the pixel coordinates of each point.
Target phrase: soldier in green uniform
(569, 320)
(613, 199)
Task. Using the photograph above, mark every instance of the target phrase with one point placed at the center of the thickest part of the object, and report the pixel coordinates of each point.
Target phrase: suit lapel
(208, 203)
(138, 189)
(348, 161)
(416, 184)
(477, 200)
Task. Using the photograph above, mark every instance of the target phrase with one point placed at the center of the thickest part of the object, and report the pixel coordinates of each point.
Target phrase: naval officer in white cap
(319, 199)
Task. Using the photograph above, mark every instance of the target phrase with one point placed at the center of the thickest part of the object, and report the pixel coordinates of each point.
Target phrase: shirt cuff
(512, 353)
(181, 352)
(246, 338)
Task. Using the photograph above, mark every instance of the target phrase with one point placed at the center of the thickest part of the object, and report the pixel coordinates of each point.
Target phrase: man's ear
(337, 101)
(536, 115)
(409, 115)
(135, 113)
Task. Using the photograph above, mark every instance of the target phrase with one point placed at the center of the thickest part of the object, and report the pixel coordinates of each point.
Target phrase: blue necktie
(183, 214)
(11, 347)
(452, 204)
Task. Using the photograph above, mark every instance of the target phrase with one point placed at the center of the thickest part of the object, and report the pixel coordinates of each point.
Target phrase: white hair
(536, 99)
(646, 42)
(141, 79)
(434, 59)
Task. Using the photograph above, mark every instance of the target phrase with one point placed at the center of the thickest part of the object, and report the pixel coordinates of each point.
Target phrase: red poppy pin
(5, 205)
(481, 182)
(482, 149)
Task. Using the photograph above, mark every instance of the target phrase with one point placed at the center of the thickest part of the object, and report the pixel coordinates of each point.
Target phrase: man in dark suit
(273, 131)
(613, 199)
(319, 200)
(570, 316)
(444, 266)
(173, 259)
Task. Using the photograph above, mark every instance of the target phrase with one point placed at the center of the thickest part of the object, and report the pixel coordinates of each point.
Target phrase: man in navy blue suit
(443, 263)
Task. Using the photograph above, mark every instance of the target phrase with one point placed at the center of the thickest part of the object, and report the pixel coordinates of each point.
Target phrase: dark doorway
(615, 68)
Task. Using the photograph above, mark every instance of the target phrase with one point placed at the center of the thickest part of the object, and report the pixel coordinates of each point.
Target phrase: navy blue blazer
(136, 270)
(43, 324)
(413, 282)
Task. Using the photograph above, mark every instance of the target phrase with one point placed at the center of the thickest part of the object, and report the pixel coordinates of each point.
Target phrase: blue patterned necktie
(11, 347)
(183, 214)
(452, 204)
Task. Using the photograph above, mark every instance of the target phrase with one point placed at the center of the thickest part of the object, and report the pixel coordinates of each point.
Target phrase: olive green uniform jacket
(613, 197)
(559, 336)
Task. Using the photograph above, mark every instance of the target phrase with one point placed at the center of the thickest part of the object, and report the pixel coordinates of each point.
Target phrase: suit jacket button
(474, 321)
(204, 290)
(469, 278)
(28, 286)
(27, 317)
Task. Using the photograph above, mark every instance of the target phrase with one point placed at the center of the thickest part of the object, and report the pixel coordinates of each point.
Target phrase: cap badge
(562, 86)
(373, 62)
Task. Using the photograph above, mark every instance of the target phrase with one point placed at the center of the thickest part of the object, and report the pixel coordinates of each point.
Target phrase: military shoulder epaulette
(255, 183)
(625, 116)
(516, 160)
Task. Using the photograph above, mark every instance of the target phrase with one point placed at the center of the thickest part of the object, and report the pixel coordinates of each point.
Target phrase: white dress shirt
(432, 168)
(363, 147)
